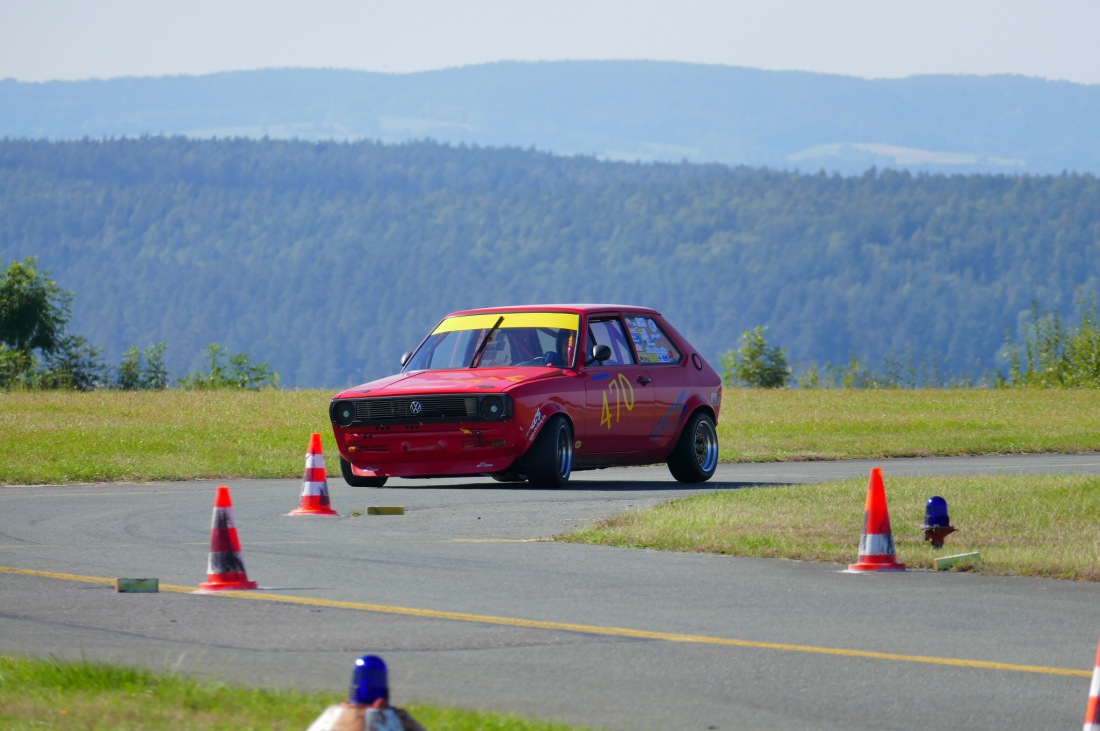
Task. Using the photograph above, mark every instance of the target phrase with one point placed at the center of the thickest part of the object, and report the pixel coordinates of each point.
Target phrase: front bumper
(423, 450)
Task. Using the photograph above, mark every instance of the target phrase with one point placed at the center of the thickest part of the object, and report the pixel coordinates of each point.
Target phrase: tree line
(328, 260)
(34, 313)
(1049, 352)
(38, 352)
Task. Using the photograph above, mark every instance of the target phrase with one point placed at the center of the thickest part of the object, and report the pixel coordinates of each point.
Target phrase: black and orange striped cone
(225, 570)
(314, 483)
(876, 546)
(1092, 712)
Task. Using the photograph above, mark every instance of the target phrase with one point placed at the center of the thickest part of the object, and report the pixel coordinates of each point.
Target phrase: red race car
(533, 393)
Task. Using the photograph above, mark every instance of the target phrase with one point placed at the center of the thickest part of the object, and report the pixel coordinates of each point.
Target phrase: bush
(755, 363)
(74, 364)
(1054, 355)
(239, 373)
(143, 369)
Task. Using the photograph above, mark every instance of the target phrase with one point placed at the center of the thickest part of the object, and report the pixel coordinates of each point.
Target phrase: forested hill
(327, 260)
(616, 110)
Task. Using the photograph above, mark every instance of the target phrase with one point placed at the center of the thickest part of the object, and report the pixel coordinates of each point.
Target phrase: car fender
(542, 416)
(690, 406)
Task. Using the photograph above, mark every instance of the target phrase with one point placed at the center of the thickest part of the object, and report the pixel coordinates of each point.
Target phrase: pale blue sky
(78, 39)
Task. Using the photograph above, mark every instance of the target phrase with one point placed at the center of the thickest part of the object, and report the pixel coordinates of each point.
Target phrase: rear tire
(550, 460)
(695, 456)
(357, 480)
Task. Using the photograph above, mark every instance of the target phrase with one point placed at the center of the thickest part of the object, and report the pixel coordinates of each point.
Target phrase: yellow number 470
(622, 391)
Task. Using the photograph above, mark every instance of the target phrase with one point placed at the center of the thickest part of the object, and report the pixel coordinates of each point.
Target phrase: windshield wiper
(485, 341)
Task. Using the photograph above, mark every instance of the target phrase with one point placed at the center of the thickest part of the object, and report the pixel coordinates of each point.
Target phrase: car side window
(610, 332)
(653, 345)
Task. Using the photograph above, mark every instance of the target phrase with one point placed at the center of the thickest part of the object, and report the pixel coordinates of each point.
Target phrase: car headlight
(493, 408)
(343, 413)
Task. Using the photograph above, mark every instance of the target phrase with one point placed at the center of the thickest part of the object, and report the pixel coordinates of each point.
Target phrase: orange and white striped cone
(225, 569)
(1092, 712)
(314, 483)
(876, 546)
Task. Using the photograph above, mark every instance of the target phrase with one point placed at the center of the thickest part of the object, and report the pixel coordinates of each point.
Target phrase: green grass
(767, 426)
(1046, 525)
(64, 437)
(119, 436)
(51, 694)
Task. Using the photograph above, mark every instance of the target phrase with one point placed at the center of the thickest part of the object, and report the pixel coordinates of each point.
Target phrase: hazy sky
(78, 39)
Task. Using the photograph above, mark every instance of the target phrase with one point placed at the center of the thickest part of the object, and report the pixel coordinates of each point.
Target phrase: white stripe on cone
(314, 488)
(876, 544)
(1092, 711)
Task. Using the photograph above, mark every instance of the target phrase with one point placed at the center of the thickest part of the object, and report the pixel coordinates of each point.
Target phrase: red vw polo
(534, 393)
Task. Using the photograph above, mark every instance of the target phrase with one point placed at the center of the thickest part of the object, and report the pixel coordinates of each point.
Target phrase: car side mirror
(599, 353)
(405, 357)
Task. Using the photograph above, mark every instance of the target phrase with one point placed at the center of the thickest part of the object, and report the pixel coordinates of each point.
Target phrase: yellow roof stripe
(567, 320)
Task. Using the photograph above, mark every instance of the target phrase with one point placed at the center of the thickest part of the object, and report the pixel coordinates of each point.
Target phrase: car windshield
(519, 339)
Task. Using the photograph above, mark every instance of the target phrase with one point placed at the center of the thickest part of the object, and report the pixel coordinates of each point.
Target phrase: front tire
(357, 480)
(695, 456)
(550, 461)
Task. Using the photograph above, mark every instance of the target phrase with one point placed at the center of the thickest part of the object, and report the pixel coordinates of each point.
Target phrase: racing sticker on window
(650, 342)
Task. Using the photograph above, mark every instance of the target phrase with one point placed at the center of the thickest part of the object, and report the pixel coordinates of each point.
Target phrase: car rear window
(653, 346)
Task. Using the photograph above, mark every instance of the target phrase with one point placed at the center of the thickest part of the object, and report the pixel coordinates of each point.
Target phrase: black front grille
(420, 408)
(428, 409)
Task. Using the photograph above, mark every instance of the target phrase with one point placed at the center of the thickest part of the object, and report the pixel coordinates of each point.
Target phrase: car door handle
(644, 380)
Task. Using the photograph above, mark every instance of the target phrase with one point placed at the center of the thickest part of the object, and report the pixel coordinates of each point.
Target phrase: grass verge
(767, 426)
(51, 694)
(1047, 525)
(53, 437)
(64, 437)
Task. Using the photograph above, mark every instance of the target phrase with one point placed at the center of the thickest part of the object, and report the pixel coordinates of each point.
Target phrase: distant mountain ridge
(612, 110)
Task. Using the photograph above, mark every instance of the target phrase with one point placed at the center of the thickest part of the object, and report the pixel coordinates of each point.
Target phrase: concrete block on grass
(959, 559)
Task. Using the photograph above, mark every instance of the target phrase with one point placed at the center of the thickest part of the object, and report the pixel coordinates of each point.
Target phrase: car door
(618, 416)
(663, 362)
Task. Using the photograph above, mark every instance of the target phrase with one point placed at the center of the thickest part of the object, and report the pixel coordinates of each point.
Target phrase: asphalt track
(472, 606)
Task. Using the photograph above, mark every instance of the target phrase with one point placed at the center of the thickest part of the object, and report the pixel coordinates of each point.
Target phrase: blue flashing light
(935, 513)
(369, 680)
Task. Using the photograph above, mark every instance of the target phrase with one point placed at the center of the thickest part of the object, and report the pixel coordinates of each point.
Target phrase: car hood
(465, 380)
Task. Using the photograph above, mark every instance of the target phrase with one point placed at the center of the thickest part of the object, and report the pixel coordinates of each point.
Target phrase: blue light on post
(937, 523)
(935, 512)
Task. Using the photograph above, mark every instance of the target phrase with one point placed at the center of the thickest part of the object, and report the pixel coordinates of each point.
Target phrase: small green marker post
(961, 558)
(380, 510)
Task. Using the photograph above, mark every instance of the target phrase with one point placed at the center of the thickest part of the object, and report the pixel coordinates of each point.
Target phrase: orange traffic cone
(1092, 712)
(876, 546)
(225, 570)
(314, 483)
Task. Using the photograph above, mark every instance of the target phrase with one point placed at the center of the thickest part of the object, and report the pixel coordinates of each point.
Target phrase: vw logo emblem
(416, 407)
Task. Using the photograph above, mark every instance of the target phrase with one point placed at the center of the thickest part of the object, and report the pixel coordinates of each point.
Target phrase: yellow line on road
(132, 546)
(584, 628)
